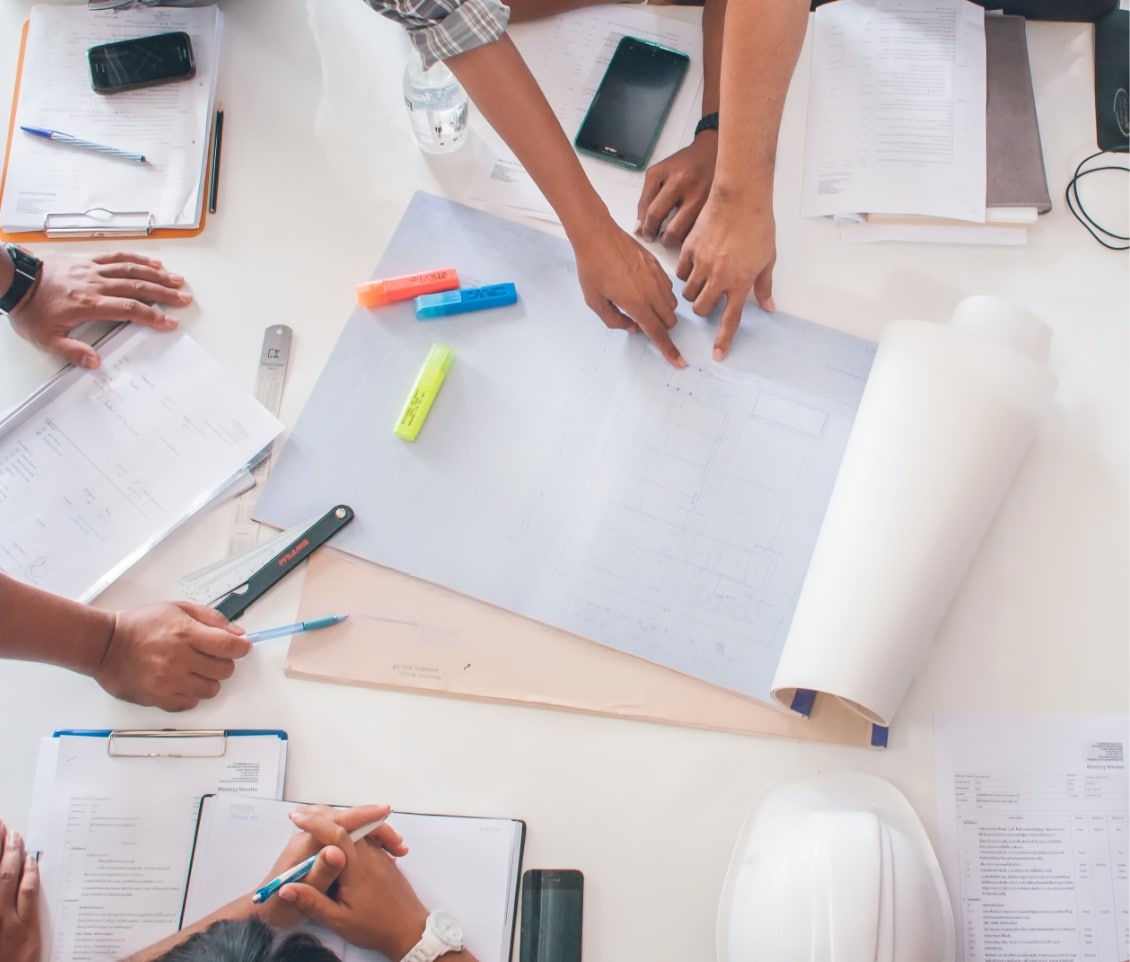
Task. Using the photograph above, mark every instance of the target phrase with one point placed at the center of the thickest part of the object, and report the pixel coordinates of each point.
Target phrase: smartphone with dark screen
(141, 62)
(552, 903)
(631, 104)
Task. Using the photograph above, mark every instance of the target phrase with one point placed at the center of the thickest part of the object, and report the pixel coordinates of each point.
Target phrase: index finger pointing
(656, 330)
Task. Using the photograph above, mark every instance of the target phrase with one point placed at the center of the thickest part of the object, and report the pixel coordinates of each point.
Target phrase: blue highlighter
(432, 306)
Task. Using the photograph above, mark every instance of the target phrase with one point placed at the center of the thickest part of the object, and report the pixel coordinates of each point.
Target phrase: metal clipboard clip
(99, 222)
(167, 743)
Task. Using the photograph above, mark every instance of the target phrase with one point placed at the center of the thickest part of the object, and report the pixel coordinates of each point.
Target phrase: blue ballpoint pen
(303, 868)
(71, 141)
(298, 627)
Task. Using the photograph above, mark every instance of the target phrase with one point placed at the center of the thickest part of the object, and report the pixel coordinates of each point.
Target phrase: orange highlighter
(376, 293)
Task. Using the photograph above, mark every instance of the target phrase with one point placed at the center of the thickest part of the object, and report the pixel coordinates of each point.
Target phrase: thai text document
(120, 830)
(103, 464)
(49, 184)
(896, 110)
(1033, 825)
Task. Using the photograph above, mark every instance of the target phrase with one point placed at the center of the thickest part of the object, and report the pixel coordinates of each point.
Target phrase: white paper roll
(946, 419)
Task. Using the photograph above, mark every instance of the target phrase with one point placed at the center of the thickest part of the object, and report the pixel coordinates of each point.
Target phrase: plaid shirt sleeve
(443, 28)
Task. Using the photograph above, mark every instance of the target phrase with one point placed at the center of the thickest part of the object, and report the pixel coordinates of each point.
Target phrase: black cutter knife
(240, 599)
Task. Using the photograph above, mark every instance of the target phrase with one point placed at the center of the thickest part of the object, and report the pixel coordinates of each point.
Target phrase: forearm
(763, 41)
(502, 87)
(38, 626)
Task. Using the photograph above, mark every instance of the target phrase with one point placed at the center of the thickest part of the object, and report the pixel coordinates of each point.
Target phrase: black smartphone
(635, 95)
(141, 62)
(552, 902)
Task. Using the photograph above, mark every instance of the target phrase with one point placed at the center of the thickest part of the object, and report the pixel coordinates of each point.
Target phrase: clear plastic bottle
(437, 105)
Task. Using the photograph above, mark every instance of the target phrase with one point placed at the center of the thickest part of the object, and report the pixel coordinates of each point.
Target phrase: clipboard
(102, 224)
(132, 796)
(122, 746)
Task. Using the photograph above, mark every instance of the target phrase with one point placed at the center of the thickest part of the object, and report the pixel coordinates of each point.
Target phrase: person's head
(248, 940)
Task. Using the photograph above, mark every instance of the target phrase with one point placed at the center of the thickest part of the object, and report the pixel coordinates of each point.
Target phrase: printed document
(49, 184)
(104, 464)
(896, 110)
(120, 830)
(568, 55)
(1033, 818)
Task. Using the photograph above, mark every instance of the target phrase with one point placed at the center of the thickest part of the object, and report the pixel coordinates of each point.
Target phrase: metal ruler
(269, 383)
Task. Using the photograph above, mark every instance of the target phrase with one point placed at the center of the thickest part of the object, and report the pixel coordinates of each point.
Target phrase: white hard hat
(834, 868)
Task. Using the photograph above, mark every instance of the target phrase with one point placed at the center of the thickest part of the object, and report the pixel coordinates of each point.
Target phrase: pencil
(217, 139)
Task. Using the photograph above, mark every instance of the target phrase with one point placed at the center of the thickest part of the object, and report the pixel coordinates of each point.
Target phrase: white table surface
(318, 165)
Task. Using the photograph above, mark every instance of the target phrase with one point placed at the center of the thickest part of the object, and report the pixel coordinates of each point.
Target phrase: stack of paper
(98, 466)
(49, 186)
(922, 124)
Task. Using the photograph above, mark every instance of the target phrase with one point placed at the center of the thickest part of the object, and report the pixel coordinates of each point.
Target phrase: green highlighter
(424, 391)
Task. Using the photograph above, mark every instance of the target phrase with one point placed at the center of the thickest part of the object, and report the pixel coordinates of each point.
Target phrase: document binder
(101, 221)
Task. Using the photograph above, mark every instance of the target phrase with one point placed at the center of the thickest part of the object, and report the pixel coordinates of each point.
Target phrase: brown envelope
(409, 635)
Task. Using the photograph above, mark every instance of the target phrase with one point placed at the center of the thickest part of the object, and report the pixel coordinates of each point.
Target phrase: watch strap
(708, 122)
(26, 269)
(428, 949)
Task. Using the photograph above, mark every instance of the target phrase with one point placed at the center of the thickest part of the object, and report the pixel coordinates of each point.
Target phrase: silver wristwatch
(442, 934)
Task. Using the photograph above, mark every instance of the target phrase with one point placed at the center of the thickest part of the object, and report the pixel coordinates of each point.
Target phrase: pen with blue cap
(302, 869)
(72, 141)
(297, 628)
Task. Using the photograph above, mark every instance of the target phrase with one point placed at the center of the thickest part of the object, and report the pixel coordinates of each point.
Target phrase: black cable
(1079, 212)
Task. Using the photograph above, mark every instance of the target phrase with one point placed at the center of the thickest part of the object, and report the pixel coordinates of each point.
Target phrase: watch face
(446, 928)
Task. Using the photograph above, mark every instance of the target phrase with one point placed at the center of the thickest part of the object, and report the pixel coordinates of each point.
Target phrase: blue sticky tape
(803, 701)
(879, 735)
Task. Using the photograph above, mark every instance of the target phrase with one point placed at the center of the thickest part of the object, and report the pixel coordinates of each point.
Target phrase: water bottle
(437, 105)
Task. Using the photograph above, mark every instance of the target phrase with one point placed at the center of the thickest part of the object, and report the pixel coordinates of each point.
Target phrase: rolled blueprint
(946, 419)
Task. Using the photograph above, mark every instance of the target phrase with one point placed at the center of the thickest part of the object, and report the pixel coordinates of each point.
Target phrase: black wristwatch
(708, 122)
(26, 270)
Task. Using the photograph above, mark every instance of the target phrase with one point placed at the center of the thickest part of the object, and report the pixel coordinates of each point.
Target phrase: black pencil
(217, 139)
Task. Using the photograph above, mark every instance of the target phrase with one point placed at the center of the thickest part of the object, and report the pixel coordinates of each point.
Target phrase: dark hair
(248, 940)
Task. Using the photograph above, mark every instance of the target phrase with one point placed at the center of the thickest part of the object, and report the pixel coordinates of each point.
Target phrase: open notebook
(465, 865)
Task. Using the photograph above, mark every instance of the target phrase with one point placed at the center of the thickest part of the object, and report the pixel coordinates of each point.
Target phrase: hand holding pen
(318, 862)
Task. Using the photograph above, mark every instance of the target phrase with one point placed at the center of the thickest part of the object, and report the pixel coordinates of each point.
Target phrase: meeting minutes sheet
(568, 472)
(1033, 820)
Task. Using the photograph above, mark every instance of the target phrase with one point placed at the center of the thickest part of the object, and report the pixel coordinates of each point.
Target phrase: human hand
(109, 287)
(19, 901)
(374, 906)
(730, 250)
(677, 187)
(627, 288)
(170, 655)
(330, 861)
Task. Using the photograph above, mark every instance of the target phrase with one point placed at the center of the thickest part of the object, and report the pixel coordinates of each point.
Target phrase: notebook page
(169, 124)
(463, 865)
